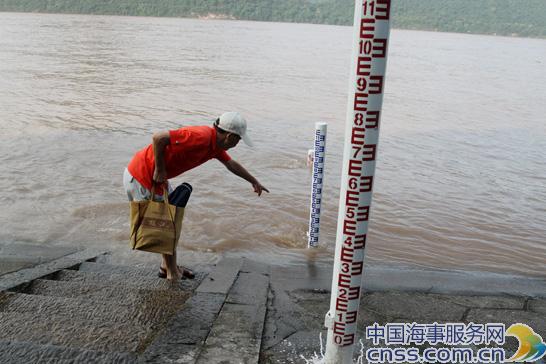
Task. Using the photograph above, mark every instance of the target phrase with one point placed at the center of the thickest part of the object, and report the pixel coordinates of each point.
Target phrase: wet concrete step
(75, 333)
(15, 279)
(92, 278)
(118, 293)
(237, 331)
(135, 272)
(152, 311)
(130, 280)
(184, 336)
(118, 269)
(25, 352)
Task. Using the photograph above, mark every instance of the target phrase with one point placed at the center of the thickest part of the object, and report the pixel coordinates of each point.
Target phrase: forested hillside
(504, 17)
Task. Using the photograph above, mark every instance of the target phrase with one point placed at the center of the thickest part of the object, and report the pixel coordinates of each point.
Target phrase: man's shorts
(136, 191)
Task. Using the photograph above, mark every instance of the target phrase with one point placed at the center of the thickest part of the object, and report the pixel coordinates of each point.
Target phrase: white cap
(234, 122)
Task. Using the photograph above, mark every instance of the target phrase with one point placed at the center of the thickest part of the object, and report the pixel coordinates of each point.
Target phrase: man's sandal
(186, 273)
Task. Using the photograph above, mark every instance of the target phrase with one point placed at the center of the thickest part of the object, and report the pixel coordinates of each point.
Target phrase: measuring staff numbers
(366, 105)
(317, 186)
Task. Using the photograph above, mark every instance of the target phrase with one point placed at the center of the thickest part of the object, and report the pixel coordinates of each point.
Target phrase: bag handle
(165, 192)
(165, 199)
(171, 215)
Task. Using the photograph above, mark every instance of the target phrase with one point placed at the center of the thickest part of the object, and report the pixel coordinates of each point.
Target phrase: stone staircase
(77, 310)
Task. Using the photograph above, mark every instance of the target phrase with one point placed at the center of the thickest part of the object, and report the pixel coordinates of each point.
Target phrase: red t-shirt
(190, 147)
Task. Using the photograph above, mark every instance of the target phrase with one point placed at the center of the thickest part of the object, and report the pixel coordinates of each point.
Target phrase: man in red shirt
(177, 151)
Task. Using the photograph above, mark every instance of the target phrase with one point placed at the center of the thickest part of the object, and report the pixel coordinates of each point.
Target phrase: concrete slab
(92, 278)
(182, 340)
(305, 347)
(171, 354)
(151, 311)
(235, 336)
(298, 301)
(255, 267)
(14, 279)
(8, 265)
(450, 282)
(24, 352)
(279, 323)
(302, 277)
(300, 298)
(128, 274)
(117, 269)
(304, 310)
(315, 276)
(249, 289)
(498, 302)
(223, 321)
(64, 331)
(96, 292)
(222, 277)
(419, 307)
(16, 256)
(296, 348)
(190, 325)
(100, 308)
(313, 305)
(538, 306)
(185, 336)
(509, 317)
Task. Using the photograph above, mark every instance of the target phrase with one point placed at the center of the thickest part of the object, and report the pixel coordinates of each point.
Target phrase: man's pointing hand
(258, 188)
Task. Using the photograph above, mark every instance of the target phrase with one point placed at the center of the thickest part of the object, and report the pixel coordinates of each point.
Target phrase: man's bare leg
(169, 264)
(177, 274)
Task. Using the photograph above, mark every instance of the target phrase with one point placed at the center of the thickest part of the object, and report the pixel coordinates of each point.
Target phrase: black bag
(181, 194)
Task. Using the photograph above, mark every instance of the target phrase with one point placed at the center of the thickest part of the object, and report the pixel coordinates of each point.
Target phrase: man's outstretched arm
(240, 171)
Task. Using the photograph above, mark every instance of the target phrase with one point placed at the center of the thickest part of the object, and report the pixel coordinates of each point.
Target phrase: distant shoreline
(513, 18)
(213, 16)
